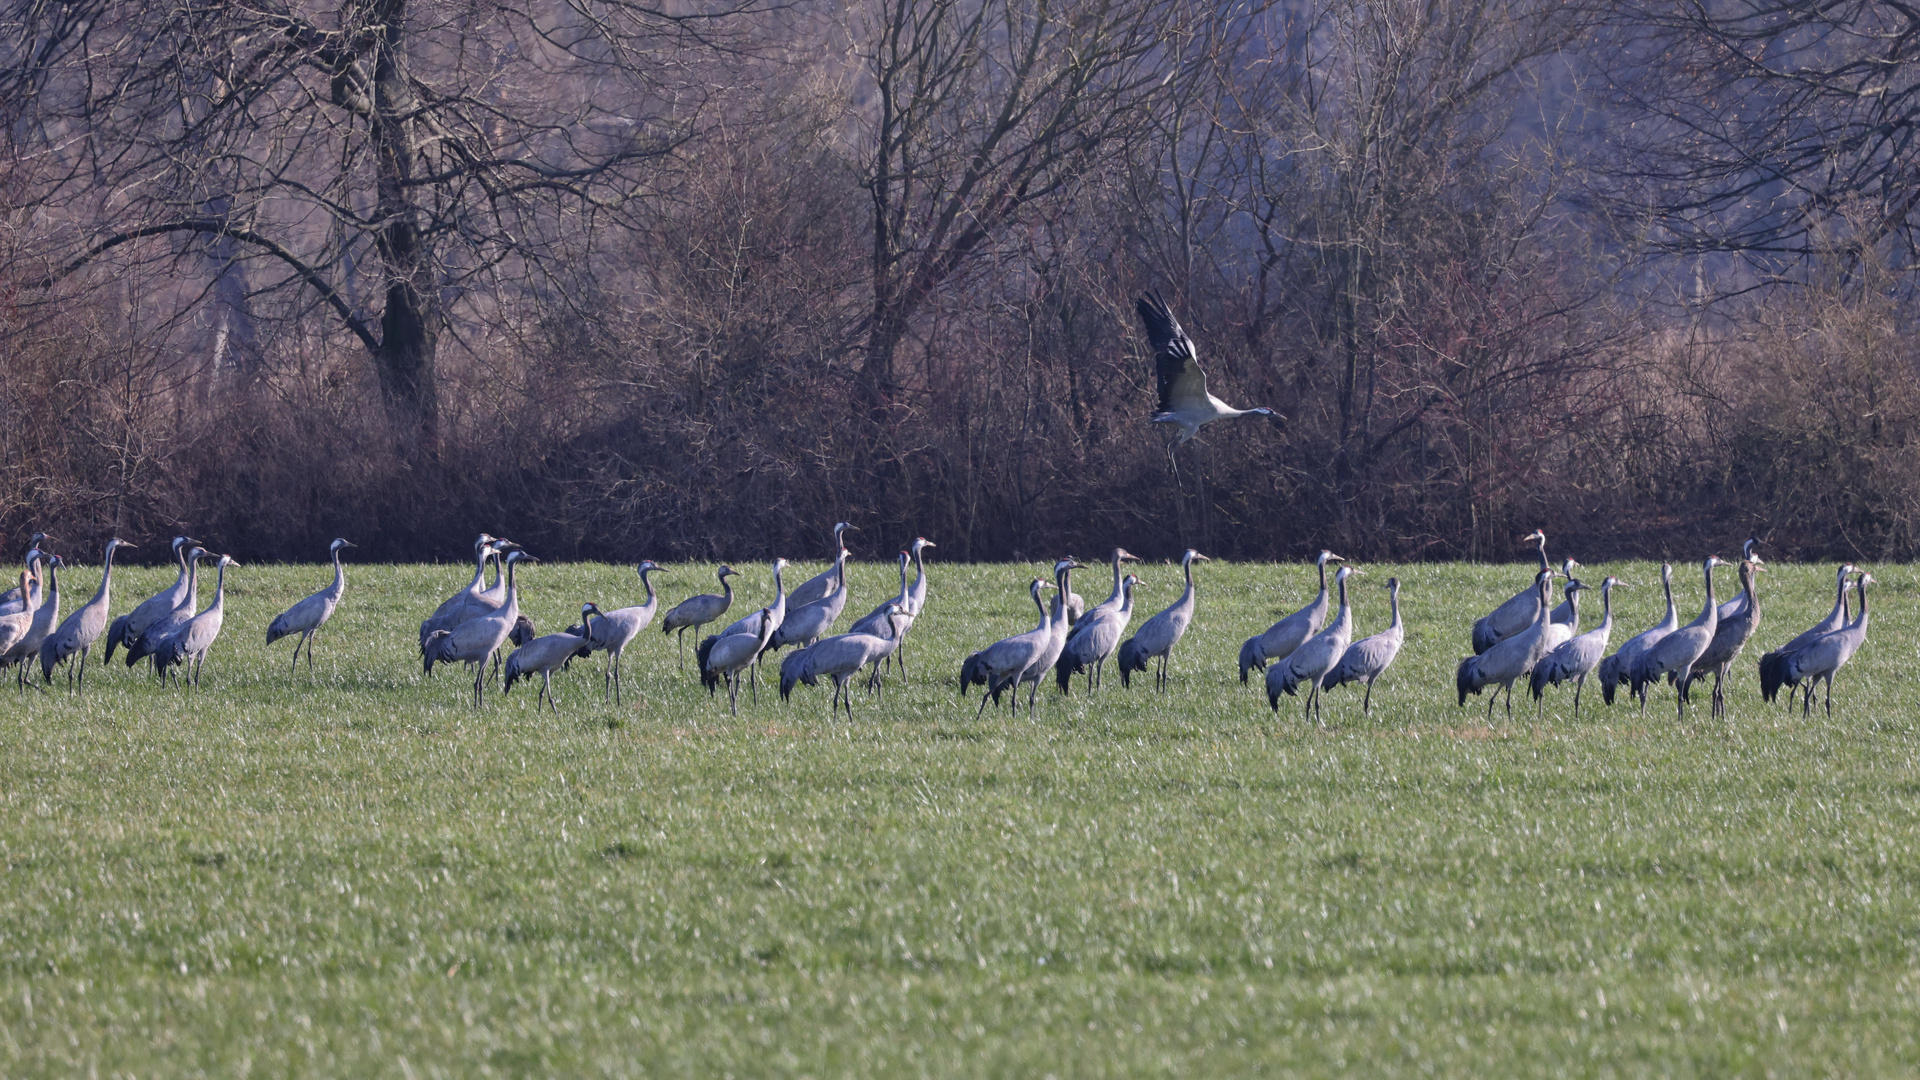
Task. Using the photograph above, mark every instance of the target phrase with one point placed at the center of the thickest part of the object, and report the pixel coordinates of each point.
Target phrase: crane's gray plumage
(14, 626)
(1518, 612)
(1093, 638)
(10, 601)
(46, 614)
(1771, 669)
(1731, 608)
(838, 658)
(1559, 631)
(84, 627)
(18, 597)
(875, 621)
(1157, 636)
(1112, 602)
(542, 656)
(776, 613)
(1731, 635)
(808, 623)
(1617, 670)
(1575, 658)
(474, 600)
(1369, 658)
(697, 611)
(1673, 656)
(1567, 613)
(1001, 664)
(1179, 380)
(163, 628)
(1821, 658)
(126, 629)
(1278, 641)
(1510, 658)
(611, 631)
(878, 621)
(1059, 623)
(309, 615)
(475, 641)
(1315, 657)
(724, 656)
(189, 644)
(819, 586)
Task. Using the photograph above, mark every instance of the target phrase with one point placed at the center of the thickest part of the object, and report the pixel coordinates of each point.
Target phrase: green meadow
(355, 873)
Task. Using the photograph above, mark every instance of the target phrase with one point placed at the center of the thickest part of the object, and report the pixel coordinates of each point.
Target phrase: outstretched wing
(1181, 383)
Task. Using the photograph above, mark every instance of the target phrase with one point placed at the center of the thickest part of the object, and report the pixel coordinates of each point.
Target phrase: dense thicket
(698, 281)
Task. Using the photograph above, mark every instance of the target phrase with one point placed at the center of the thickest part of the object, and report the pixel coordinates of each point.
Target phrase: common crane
(473, 601)
(697, 611)
(544, 655)
(1674, 655)
(823, 583)
(125, 630)
(14, 626)
(1093, 639)
(163, 628)
(776, 613)
(838, 658)
(1822, 658)
(611, 631)
(1577, 657)
(1518, 612)
(1316, 656)
(16, 600)
(1370, 657)
(808, 623)
(1178, 377)
(11, 599)
(1157, 636)
(1510, 658)
(1278, 641)
(1735, 629)
(475, 641)
(46, 615)
(309, 615)
(1835, 619)
(189, 644)
(1058, 625)
(1617, 670)
(724, 656)
(84, 627)
(1001, 664)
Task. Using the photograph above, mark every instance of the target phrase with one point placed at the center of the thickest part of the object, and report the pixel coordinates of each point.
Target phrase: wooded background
(699, 280)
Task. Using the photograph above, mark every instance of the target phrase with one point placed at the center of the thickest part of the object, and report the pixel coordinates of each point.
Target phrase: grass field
(356, 874)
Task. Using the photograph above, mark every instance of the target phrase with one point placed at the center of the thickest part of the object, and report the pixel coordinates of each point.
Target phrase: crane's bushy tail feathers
(277, 629)
(1250, 658)
(971, 672)
(116, 633)
(793, 670)
(1064, 669)
(1609, 675)
(1467, 679)
(701, 653)
(1483, 636)
(1773, 675)
(1132, 658)
(431, 651)
(514, 674)
(1538, 680)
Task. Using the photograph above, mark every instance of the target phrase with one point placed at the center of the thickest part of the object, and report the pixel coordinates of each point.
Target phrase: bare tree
(395, 163)
(983, 110)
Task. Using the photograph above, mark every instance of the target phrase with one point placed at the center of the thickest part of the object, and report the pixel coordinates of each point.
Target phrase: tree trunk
(410, 324)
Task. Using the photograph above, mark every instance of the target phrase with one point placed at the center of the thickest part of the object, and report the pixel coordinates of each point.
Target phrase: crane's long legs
(479, 678)
(296, 654)
(1578, 685)
(682, 635)
(1366, 703)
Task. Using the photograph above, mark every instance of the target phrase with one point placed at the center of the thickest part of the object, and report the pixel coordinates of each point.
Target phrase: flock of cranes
(1528, 639)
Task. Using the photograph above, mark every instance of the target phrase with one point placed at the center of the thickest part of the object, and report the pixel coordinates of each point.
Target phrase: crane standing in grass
(1278, 641)
(724, 656)
(475, 641)
(1675, 654)
(1058, 624)
(46, 614)
(1001, 664)
(163, 628)
(1093, 639)
(839, 657)
(1738, 619)
(1316, 657)
(610, 632)
(697, 611)
(1617, 670)
(189, 644)
(1835, 619)
(1576, 657)
(1510, 658)
(1820, 659)
(125, 630)
(84, 627)
(309, 615)
(1370, 657)
(821, 585)
(1158, 635)
(544, 655)
(1517, 613)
